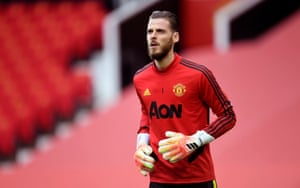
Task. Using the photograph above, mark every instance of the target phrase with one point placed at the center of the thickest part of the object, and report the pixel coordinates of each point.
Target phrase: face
(160, 38)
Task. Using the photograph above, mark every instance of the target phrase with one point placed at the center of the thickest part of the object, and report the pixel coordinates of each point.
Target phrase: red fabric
(178, 99)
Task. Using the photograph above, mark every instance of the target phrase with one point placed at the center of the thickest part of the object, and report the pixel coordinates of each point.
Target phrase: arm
(142, 158)
(177, 145)
(216, 99)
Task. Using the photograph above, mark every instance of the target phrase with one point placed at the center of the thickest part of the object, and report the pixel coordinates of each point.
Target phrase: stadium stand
(39, 84)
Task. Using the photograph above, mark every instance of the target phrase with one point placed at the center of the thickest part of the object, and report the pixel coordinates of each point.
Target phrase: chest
(166, 89)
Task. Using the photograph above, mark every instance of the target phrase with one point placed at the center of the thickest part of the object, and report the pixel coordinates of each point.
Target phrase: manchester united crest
(179, 90)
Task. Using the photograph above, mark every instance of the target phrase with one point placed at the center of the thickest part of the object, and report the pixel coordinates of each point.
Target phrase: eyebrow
(159, 29)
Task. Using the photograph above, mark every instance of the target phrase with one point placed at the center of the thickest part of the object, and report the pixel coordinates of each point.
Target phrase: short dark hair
(171, 17)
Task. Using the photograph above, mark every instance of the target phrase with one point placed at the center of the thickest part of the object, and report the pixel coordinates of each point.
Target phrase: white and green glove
(142, 158)
(177, 146)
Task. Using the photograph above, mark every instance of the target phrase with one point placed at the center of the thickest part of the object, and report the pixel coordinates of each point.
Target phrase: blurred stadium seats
(38, 83)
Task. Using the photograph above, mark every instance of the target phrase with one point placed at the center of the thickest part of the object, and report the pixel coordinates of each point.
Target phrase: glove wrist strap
(202, 138)
(142, 138)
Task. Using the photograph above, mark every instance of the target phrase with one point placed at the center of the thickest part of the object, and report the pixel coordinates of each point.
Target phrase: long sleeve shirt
(179, 99)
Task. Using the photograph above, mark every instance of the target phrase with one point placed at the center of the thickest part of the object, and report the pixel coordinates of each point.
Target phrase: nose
(152, 35)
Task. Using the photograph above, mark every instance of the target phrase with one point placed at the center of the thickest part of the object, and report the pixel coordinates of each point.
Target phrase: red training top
(178, 99)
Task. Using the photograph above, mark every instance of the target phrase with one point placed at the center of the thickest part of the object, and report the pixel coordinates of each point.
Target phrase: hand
(143, 160)
(178, 146)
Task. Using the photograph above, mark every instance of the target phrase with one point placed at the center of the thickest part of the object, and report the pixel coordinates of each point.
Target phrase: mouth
(154, 44)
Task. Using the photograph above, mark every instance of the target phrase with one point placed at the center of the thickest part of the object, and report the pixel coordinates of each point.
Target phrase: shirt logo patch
(147, 92)
(179, 90)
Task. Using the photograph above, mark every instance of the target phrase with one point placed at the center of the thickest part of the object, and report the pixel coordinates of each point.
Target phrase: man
(176, 96)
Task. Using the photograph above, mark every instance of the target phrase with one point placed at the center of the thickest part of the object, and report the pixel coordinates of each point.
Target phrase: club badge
(179, 90)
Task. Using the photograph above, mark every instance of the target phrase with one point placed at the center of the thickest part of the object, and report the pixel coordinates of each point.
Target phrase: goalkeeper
(176, 96)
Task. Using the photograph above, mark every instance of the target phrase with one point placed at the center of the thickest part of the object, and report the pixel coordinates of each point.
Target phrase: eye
(160, 31)
(149, 31)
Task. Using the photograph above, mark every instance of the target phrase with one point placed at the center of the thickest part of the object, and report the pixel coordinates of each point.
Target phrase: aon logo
(165, 111)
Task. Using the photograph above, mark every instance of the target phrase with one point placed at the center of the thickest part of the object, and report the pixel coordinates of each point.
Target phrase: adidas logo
(147, 92)
(192, 146)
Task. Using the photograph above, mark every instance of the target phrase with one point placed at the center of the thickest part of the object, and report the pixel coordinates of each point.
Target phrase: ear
(175, 37)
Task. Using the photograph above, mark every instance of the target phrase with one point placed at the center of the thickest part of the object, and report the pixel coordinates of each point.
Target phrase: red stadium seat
(83, 86)
(8, 137)
(38, 42)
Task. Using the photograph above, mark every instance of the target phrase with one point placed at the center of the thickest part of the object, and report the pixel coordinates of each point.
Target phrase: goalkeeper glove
(178, 146)
(143, 160)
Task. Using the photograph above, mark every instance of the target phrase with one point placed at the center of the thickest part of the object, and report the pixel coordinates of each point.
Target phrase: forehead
(160, 23)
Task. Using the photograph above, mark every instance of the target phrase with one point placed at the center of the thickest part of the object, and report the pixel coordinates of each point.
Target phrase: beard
(160, 52)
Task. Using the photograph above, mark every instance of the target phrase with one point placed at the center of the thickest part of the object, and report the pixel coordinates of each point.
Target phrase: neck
(165, 62)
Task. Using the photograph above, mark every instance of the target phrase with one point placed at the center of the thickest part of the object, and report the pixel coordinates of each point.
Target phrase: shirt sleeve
(212, 94)
(144, 120)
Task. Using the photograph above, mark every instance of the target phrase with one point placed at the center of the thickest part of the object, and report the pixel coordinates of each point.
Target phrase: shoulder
(196, 67)
(143, 70)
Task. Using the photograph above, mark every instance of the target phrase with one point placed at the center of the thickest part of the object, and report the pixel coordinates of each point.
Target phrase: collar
(176, 60)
